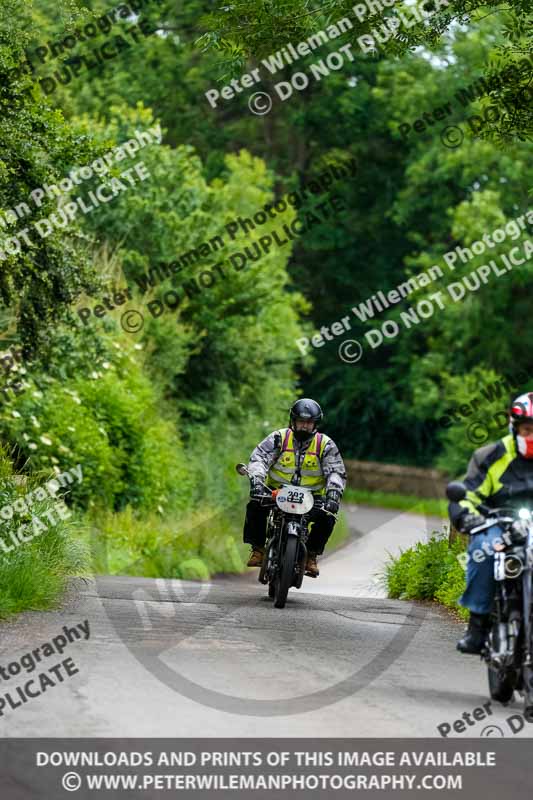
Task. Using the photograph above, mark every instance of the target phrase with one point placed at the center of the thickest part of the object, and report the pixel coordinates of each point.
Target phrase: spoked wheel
(285, 573)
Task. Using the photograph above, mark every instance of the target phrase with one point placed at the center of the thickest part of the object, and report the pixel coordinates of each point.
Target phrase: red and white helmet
(522, 411)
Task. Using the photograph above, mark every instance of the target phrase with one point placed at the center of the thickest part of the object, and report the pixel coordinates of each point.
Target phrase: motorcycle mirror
(242, 469)
(456, 491)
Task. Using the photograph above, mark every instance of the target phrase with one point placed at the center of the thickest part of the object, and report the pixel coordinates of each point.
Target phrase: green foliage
(251, 30)
(34, 574)
(159, 425)
(199, 544)
(110, 422)
(428, 571)
(38, 147)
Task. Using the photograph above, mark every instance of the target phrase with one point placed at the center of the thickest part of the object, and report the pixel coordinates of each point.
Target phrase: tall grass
(35, 574)
(195, 547)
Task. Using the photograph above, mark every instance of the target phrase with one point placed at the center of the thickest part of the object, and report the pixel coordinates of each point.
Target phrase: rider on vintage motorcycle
(499, 474)
(302, 456)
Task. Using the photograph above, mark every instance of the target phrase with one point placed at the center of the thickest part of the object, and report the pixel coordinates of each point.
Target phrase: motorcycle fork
(302, 561)
(273, 543)
(497, 656)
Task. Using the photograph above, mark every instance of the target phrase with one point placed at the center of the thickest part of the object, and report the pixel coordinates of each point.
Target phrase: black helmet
(305, 408)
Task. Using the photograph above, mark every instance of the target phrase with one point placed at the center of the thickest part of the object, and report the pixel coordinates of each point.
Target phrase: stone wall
(397, 479)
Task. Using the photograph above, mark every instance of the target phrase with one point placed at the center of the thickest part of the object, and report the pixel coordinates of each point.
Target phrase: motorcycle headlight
(519, 531)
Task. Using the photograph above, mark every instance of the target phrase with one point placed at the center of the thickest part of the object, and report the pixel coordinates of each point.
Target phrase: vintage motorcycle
(285, 557)
(508, 650)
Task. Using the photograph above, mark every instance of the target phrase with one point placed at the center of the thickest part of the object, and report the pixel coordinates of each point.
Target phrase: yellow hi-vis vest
(284, 468)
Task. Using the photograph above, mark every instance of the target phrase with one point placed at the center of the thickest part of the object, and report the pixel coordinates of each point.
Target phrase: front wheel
(285, 574)
(501, 686)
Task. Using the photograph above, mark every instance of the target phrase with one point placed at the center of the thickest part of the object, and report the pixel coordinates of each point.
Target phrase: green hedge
(429, 571)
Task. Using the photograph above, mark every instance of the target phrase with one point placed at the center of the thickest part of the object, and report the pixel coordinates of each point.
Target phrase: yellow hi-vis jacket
(283, 470)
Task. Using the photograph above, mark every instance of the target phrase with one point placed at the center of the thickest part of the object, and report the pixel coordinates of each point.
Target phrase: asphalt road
(176, 658)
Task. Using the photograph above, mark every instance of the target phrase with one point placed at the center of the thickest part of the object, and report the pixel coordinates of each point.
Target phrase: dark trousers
(255, 527)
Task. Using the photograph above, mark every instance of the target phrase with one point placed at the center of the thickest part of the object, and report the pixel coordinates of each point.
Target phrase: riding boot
(476, 634)
(311, 566)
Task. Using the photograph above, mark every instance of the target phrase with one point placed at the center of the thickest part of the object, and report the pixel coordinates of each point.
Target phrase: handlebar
(489, 524)
(270, 498)
(242, 469)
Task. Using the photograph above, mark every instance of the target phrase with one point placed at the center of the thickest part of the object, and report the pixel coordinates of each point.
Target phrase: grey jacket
(266, 453)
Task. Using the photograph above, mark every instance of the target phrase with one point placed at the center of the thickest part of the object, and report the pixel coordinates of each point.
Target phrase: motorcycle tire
(285, 574)
(299, 578)
(501, 686)
(272, 589)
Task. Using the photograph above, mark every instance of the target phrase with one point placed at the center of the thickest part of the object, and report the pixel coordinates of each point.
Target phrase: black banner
(275, 768)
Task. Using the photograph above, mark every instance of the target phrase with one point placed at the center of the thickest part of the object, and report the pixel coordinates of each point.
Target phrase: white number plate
(295, 500)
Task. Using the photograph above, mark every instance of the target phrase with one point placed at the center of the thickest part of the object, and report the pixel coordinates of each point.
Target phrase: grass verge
(195, 548)
(403, 502)
(35, 569)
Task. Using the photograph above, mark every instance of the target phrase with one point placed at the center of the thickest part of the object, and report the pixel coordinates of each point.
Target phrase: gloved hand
(332, 501)
(256, 488)
(469, 521)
